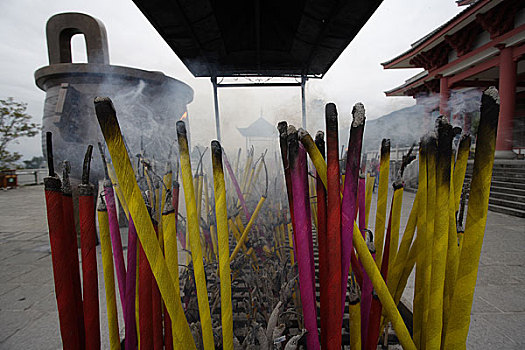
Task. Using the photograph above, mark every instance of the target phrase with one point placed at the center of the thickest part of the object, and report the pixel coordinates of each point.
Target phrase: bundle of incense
(461, 303)
(322, 242)
(382, 192)
(64, 292)
(131, 276)
(349, 202)
(303, 233)
(110, 129)
(109, 279)
(88, 242)
(333, 230)
(193, 231)
(114, 231)
(72, 246)
(223, 245)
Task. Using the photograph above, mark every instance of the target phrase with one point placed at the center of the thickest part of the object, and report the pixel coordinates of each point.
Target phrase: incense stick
(223, 245)
(109, 278)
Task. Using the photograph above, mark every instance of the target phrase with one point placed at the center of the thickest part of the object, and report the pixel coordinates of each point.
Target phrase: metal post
(216, 103)
(303, 100)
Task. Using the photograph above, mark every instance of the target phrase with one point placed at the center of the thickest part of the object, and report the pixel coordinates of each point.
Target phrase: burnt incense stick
(303, 233)
(109, 278)
(131, 276)
(116, 240)
(72, 245)
(223, 245)
(321, 242)
(461, 305)
(349, 202)
(88, 242)
(64, 292)
(333, 232)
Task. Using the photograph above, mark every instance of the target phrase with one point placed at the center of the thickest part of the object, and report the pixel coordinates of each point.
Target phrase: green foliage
(14, 123)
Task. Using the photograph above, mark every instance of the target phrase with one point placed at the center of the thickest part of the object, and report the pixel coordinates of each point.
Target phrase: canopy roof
(259, 128)
(274, 38)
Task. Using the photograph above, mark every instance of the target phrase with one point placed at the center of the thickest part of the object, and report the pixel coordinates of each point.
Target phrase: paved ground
(28, 317)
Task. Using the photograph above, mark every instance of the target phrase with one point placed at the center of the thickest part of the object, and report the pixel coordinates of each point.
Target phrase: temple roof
(259, 128)
(437, 36)
(258, 38)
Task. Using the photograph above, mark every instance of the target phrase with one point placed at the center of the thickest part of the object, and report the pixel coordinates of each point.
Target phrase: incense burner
(148, 103)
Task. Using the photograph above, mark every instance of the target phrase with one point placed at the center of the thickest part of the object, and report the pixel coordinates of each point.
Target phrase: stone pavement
(28, 316)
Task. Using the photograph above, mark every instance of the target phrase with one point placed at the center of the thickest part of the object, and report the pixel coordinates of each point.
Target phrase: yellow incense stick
(382, 193)
(354, 313)
(109, 278)
(458, 326)
(110, 129)
(194, 236)
(460, 168)
(421, 250)
(248, 228)
(314, 153)
(368, 196)
(389, 307)
(394, 229)
(116, 187)
(224, 248)
(441, 227)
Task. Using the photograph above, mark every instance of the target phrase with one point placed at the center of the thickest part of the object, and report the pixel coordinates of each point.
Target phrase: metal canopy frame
(216, 86)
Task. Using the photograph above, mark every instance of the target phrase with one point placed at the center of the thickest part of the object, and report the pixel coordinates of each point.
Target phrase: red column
(444, 94)
(507, 95)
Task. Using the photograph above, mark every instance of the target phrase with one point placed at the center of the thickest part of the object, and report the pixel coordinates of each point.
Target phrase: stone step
(508, 204)
(508, 184)
(510, 190)
(506, 210)
(520, 198)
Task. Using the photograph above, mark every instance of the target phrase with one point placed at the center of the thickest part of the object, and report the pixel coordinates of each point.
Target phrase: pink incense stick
(349, 202)
(131, 276)
(116, 243)
(236, 185)
(303, 233)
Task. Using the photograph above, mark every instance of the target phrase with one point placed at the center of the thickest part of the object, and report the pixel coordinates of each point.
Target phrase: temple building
(483, 45)
(260, 134)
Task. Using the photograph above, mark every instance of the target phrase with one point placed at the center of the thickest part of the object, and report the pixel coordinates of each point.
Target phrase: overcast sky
(356, 76)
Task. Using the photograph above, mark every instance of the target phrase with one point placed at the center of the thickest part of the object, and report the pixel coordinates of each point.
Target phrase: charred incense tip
(49, 149)
(319, 142)
(464, 141)
(385, 147)
(293, 145)
(301, 133)
(493, 93)
(181, 128)
(319, 135)
(358, 113)
(331, 117)
(87, 164)
(216, 152)
(282, 127)
(52, 183)
(168, 207)
(101, 204)
(291, 130)
(66, 184)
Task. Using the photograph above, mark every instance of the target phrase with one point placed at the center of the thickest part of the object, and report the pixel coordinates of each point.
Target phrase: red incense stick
(333, 232)
(64, 292)
(88, 242)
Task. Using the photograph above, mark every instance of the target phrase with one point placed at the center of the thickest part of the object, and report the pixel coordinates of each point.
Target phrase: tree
(34, 163)
(14, 123)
